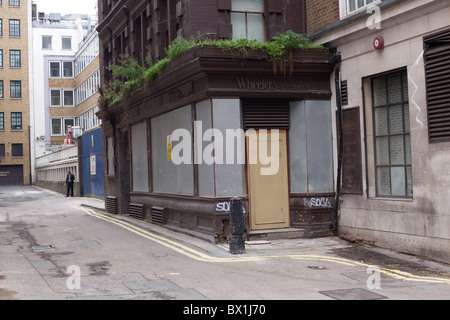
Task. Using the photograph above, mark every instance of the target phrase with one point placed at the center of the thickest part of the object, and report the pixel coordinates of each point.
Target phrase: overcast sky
(66, 6)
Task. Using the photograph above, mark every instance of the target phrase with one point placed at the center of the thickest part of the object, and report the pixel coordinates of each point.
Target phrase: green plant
(132, 73)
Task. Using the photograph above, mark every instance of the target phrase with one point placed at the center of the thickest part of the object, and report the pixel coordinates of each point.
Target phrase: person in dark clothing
(70, 179)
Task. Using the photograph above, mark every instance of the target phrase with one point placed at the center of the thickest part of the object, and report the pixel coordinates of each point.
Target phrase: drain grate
(42, 249)
(353, 294)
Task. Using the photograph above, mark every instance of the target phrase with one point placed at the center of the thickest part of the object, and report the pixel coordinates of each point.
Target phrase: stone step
(275, 234)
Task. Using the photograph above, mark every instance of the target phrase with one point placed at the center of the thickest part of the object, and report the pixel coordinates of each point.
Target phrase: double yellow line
(203, 257)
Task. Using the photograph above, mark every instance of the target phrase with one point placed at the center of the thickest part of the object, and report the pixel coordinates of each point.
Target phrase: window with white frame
(55, 69)
(348, 7)
(55, 97)
(68, 98)
(66, 43)
(247, 19)
(59, 125)
(88, 87)
(67, 69)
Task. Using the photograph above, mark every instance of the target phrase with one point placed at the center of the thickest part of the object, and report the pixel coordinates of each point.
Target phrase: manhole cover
(353, 294)
(41, 249)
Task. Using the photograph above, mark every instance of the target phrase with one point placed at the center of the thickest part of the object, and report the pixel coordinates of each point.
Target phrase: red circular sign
(378, 43)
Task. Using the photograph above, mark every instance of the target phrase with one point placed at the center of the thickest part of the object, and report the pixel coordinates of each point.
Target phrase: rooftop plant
(130, 73)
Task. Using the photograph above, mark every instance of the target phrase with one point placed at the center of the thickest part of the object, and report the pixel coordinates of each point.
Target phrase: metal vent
(437, 69)
(344, 93)
(266, 114)
(111, 205)
(137, 211)
(158, 215)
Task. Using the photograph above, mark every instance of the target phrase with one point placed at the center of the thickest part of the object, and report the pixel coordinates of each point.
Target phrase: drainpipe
(336, 60)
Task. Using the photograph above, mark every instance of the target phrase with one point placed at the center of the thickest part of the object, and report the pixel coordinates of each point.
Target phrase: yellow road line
(203, 257)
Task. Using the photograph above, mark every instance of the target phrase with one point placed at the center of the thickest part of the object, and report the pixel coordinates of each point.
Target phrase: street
(58, 248)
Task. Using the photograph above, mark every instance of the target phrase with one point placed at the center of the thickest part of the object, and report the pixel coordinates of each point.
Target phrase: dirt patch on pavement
(370, 257)
(7, 295)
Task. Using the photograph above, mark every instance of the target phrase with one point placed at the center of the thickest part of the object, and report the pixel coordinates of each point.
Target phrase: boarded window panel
(437, 68)
(139, 135)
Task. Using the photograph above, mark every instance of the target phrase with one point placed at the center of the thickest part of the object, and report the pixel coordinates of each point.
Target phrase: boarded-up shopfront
(211, 105)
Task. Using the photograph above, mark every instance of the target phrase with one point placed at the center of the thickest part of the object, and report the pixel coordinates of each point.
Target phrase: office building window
(56, 127)
(16, 120)
(2, 121)
(17, 150)
(55, 69)
(16, 89)
(2, 95)
(14, 59)
(14, 28)
(67, 69)
(1, 58)
(392, 135)
(55, 98)
(66, 43)
(68, 98)
(1, 27)
(2, 151)
(46, 42)
(14, 3)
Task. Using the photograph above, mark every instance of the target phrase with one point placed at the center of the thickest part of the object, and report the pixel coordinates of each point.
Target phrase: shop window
(247, 19)
(392, 138)
(139, 145)
(110, 153)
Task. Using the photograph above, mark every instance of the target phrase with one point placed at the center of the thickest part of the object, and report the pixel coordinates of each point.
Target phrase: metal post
(237, 227)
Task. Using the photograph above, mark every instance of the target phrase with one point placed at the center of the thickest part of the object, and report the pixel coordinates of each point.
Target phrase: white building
(56, 40)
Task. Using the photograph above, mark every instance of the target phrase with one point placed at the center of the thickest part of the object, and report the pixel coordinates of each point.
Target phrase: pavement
(369, 273)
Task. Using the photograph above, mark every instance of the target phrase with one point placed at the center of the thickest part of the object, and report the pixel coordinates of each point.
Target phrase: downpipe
(336, 60)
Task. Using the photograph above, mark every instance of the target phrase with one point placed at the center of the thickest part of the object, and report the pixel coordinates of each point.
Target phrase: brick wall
(320, 13)
(8, 136)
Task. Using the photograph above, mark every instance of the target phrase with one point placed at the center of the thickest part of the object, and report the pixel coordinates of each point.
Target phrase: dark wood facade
(197, 75)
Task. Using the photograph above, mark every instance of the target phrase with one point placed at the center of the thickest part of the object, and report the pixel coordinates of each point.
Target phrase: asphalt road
(58, 248)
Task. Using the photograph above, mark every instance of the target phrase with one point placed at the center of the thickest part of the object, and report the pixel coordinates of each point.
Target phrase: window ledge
(393, 199)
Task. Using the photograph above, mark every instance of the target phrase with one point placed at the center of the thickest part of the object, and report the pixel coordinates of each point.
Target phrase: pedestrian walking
(70, 179)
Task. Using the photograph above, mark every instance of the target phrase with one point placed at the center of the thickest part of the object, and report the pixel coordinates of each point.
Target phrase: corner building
(224, 91)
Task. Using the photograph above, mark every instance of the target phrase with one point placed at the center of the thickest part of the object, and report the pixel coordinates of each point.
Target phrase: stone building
(394, 81)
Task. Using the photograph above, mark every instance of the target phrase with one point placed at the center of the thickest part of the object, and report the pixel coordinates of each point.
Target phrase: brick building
(15, 24)
(208, 90)
(394, 81)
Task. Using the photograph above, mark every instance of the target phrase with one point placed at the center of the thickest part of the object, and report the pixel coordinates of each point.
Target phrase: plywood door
(268, 194)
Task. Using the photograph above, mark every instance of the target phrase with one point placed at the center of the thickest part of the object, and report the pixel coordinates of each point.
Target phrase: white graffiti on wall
(225, 207)
(319, 203)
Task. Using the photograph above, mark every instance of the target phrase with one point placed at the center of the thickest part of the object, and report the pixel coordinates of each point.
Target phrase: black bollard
(237, 227)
